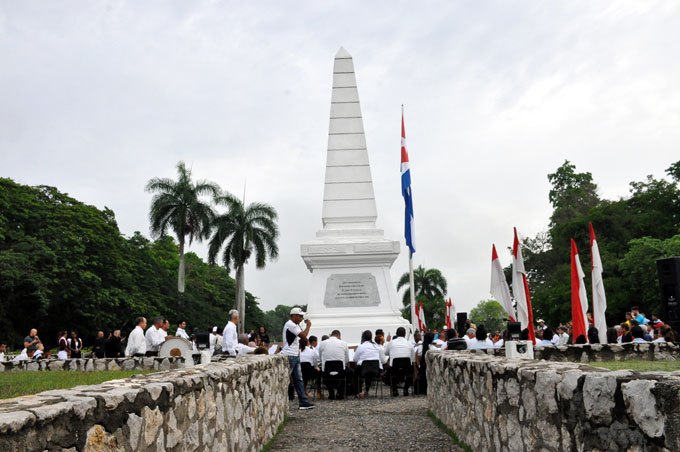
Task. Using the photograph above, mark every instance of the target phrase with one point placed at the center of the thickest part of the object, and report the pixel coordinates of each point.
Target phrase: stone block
(641, 406)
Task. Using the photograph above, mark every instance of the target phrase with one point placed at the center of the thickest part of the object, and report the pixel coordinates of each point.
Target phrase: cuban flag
(409, 228)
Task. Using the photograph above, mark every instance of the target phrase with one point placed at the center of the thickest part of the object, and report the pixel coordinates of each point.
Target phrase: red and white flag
(499, 285)
(520, 289)
(579, 296)
(421, 317)
(599, 298)
(450, 313)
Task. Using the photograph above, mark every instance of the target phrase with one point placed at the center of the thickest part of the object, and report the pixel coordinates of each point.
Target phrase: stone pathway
(397, 424)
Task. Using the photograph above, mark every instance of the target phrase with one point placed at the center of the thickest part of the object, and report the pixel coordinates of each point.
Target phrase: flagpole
(413, 295)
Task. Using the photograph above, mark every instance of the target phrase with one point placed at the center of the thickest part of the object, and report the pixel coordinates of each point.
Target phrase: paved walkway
(390, 424)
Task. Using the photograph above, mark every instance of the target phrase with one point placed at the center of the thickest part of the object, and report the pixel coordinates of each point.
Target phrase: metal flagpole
(413, 294)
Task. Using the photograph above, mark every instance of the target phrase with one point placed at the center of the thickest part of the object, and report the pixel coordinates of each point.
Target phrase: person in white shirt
(292, 333)
(335, 351)
(470, 337)
(154, 337)
(309, 362)
(369, 357)
(242, 347)
(39, 352)
(136, 343)
(416, 339)
(181, 330)
(481, 339)
(380, 341)
(310, 354)
(229, 334)
(399, 347)
(3, 347)
(562, 334)
(164, 329)
(213, 340)
(63, 346)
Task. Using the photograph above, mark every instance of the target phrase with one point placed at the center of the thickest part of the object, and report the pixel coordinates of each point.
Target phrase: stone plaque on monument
(351, 290)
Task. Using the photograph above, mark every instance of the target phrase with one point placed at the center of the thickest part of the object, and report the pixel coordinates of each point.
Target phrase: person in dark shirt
(100, 345)
(264, 337)
(75, 345)
(113, 347)
(31, 341)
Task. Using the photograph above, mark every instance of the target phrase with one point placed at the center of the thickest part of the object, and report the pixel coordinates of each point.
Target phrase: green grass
(267, 447)
(457, 441)
(640, 366)
(15, 384)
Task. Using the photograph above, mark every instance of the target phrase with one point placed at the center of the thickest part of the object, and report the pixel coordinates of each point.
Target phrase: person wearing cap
(292, 333)
(230, 334)
(541, 324)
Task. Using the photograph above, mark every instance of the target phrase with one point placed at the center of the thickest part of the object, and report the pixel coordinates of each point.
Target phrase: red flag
(448, 313)
(520, 289)
(579, 300)
(421, 317)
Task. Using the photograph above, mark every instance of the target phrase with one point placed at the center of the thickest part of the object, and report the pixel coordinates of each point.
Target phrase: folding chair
(401, 369)
(370, 371)
(333, 377)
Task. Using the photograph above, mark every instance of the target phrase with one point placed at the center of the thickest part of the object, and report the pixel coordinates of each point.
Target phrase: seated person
(395, 349)
(309, 362)
(242, 348)
(482, 339)
(369, 357)
(39, 352)
(335, 351)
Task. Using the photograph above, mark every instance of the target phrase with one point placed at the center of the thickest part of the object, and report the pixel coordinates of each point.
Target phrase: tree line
(65, 265)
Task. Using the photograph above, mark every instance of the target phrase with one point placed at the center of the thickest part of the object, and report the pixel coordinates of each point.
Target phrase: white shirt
(333, 349)
(499, 343)
(181, 333)
(544, 343)
(2, 356)
(369, 351)
(477, 344)
(564, 338)
(310, 355)
(154, 339)
(37, 355)
(555, 339)
(273, 349)
(661, 339)
(291, 339)
(136, 343)
(470, 341)
(439, 343)
(213, 342)
(23, 356)
(163, 333)
(243, 349)
(229, 338)
(399, 347)
(218, 343)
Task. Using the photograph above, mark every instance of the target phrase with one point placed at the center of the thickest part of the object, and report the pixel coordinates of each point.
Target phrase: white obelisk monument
(350, 259)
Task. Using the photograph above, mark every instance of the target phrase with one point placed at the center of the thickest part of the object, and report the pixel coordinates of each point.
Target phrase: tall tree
(429, 284)
(177, 206)
(243, 230)
(490, 314)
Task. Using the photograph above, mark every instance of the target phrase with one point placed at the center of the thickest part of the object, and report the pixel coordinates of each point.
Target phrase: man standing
(31, 341)
(291, 348)
(136, 344)
(100, 345)
(230, 334)
(181, 330)
(154, 337)
(112, 348)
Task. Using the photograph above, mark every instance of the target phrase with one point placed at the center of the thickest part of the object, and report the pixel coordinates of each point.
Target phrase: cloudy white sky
(96, 97)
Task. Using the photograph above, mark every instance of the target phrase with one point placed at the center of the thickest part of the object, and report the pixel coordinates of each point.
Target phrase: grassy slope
(640, 366)
(15, 384)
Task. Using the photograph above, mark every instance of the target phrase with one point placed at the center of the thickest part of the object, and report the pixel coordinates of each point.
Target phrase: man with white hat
(291, 338)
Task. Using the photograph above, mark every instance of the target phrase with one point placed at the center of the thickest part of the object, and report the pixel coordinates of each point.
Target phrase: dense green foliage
(632, 233)
(430, 289)
(15, 384)
(490, 314)
(65, 265)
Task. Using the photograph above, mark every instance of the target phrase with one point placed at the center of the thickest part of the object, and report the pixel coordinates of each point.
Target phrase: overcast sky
(97, 97)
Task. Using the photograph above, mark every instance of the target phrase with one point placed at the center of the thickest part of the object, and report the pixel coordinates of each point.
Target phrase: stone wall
(647, 351)
(499, 404)
(94, 364)
(235, 405)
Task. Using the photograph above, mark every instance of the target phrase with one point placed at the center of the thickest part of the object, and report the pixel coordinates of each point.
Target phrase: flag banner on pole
(449, 309)
(579, 297)
(422, 317)
(409, 228)
(520, 290)
(599, 298)
(499, 285)
(420, 323)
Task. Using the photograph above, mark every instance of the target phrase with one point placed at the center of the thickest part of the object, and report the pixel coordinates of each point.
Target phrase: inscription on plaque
(351, 290)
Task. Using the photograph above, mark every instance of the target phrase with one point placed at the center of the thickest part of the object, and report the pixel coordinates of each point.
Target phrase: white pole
(414, 320)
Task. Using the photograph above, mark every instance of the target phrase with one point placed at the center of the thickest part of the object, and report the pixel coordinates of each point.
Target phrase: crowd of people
(143, 341)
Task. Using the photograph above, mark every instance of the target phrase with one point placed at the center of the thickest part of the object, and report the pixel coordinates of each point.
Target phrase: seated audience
(242, 348)
(481, 339)
(334, 352)
(369, 357)
(400, 349)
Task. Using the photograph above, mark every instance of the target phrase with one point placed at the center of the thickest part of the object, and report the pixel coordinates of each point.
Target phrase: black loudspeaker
(669, 283)
(514, 330)
(461, 318)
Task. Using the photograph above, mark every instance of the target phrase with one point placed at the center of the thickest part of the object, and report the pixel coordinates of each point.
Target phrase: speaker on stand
(461, 319)
(669, 284)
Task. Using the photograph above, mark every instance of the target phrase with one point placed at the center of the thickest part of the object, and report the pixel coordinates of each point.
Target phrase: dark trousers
(369, 371)
(401, 370)
(335, 378)
(151, 353)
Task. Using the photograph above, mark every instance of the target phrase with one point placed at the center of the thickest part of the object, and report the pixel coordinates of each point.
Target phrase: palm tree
(429, 283)
(243, 230)
(177, 206)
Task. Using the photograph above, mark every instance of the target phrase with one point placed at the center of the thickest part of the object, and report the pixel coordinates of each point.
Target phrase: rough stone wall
(94, 364)
(236, 405)
(499, 404)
